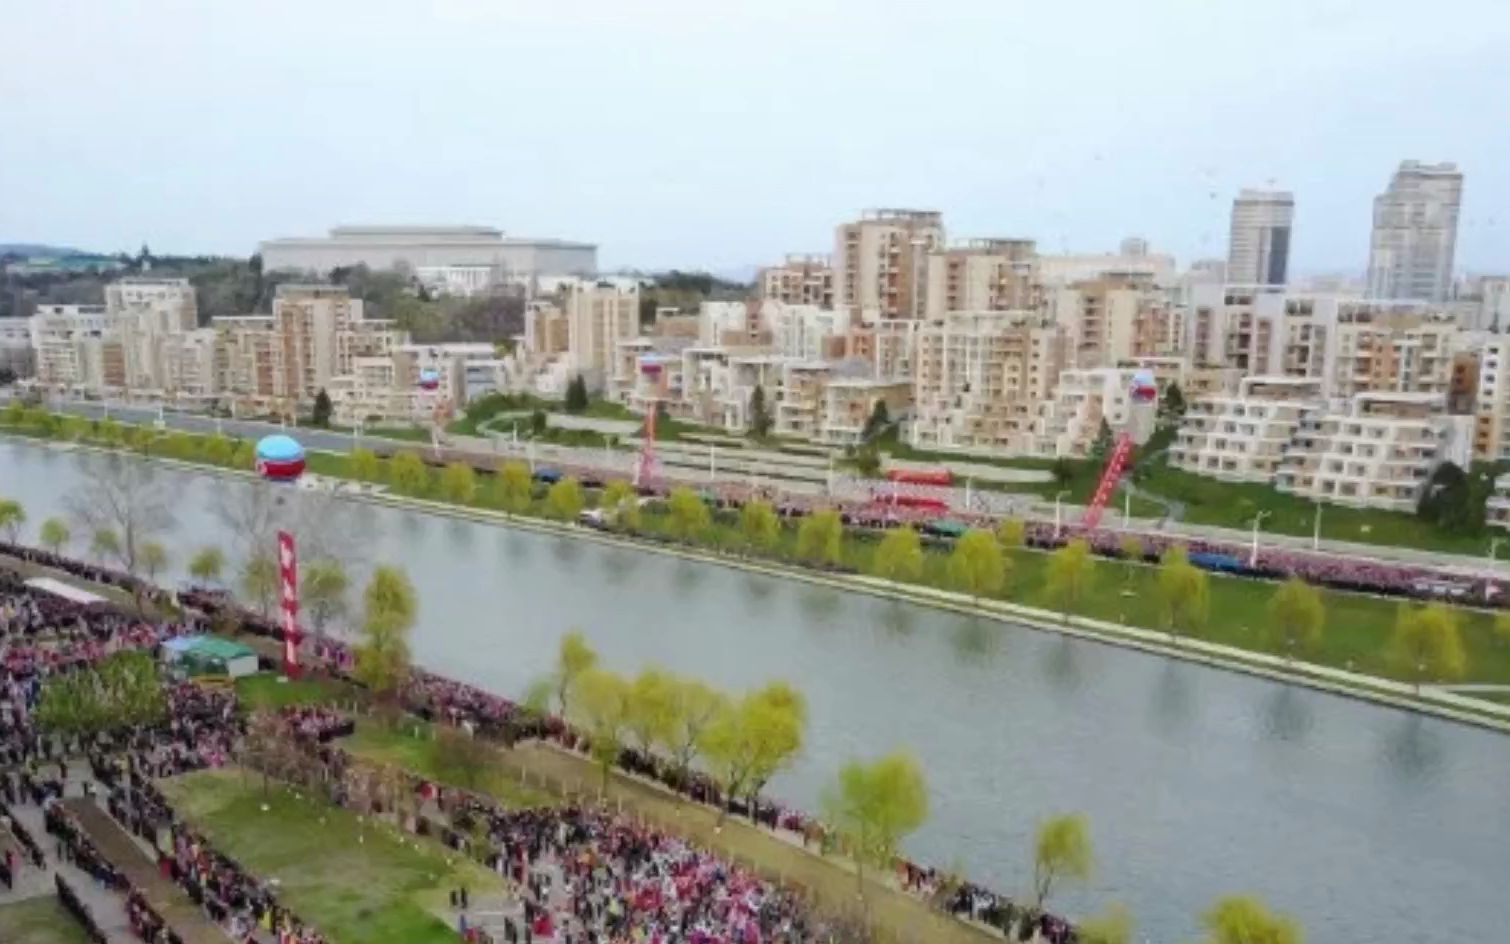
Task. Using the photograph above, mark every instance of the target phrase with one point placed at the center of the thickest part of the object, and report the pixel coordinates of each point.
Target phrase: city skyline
(739, 166)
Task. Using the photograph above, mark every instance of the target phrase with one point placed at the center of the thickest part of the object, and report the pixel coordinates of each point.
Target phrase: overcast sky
(697, 133)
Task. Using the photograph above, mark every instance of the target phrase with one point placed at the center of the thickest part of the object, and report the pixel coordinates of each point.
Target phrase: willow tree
(1240, 919)
(1068, 577)
(1184, 594)
(1296, 617)
(565, 500)
(1061, 852)
(513, 489)
(820, 537)
(899, 556)
(759, 525)
(1428, 645)
(389, 610)
(687, 514)
(54, 535)
(458, 483)
(976, 565)
(874, 806)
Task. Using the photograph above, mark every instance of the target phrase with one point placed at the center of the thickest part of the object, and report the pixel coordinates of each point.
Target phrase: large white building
(1243, 437)
(432, 249)
(1258, 246)
(1415, 233)
(1380, 453)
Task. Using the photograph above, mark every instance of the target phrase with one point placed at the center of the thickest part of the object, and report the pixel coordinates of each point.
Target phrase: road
(327, 441)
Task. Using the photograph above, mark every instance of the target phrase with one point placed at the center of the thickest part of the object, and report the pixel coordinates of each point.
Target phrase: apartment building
(245, 347)
(15, 347)
(1131, 261)
(1491, 437)
(387, 389)
(1390, 349)
(597, 319)
(188, 365)
(880, 261)
(1258, 247)
(1379, 453)
(1071, 419)
(1243, 437)
(980, 379)
(983, 275)
(72, 346)
(159, 306)
(804, 331)
(802, 279)
(887, 346)
(1415, 233)
(545, 330)
(319, 330)
(1497, 508)
(1109, 320)
(848, 403)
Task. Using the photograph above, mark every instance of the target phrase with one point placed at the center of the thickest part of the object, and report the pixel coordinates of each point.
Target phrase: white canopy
(60, 589)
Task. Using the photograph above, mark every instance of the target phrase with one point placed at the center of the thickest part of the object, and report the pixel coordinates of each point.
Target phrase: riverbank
(1377, 689)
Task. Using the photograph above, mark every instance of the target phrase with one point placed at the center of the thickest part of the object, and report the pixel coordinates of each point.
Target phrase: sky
(721, 135)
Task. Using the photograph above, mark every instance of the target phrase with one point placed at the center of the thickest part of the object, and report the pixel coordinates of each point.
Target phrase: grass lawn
(356, 882)
(408, 746)
(269, 690)
(40, 921)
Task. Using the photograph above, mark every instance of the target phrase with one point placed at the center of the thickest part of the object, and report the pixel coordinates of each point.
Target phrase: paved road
(341, 442)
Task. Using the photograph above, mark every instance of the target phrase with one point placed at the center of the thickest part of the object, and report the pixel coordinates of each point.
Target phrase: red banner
(288, 573)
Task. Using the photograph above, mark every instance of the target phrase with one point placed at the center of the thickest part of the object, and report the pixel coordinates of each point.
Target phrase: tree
(407, 474)
(1102, 446)
(650, 709)
(877, 423)
(538, 422)
(1184, 597)
(458, 483)
(120, 691)
(127, 499)
(874, 806)
(389, 609)
(1063, 472)
(514, 487)
(1296, 616)
(363, 465)
(54, 534)
(207, 565)
(1132, 555)
(245, 456)
(1062, 852)
(104, 545)
(1012, 534)
(219, 451)
(564, 501)
(574, 656)
(1246, 920)
(459, 758)
(576, 395)
(322, 592)
(867, 460)
(260, 581)
(976, 565)
(1502, 627)
(697, 705)
(759, 525)
(1173, 404)
(622, 504)
(1114, 926)
(320, 413)
(12, 517)
(686, 514)
(748, 741)
(1068, 576)
(154, 560)
(1428, 645)
(1449, 501)
(820, 537)
(760, 415)
(600, 708)
(899, 556)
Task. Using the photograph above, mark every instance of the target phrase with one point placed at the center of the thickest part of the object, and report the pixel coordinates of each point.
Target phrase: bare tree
(126, 497)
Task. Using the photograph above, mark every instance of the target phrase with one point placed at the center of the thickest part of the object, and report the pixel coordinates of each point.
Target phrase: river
(1366, 823)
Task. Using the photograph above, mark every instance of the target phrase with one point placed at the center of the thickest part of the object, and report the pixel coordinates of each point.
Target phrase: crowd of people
(609, 875)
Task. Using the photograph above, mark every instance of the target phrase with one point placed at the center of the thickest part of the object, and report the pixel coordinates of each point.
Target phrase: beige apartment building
(849, 401)
(1491, 435)
(1110, 320)
(1392, 351)
(597, 319)
(188, 366)
(1497, 508)
(980, 379)
(802, 279)
(880, 261)
(244, 360)
(1071, 419)
(320, 329)
(983, 275)
(1379, 453)
(1245, 436)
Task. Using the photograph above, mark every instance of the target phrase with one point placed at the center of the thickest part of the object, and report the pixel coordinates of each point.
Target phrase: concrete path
(166, 898)
(107, 907)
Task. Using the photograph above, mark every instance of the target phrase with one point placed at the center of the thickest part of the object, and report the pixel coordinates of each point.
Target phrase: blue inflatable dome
(279, 448)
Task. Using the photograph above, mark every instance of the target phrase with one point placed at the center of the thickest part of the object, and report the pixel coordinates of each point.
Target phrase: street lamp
(1057, 499)
(1253, 555)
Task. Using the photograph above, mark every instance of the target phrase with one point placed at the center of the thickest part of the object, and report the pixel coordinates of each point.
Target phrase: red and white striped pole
(288, 572)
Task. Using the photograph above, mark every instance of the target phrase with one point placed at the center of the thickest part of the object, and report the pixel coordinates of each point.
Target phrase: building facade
(430, 247)
(1415, 233)
(1258, 245)
(880, 261)
(800, 280)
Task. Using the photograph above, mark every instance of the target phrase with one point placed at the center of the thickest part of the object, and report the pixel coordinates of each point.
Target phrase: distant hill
(37, 250)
